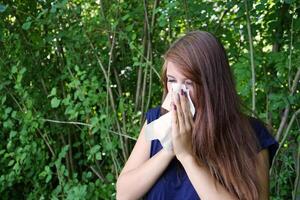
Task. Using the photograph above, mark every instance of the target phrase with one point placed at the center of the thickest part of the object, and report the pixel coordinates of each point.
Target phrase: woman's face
(175, 76)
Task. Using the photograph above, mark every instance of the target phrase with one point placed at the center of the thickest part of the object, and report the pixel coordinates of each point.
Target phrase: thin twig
(251, 54)
(187, 18)
(89, 125)
(287, 108)
(97, 174)
(67, 122)
(148, 37)
(111, 97)
(297, 179)
(290, 54)
(284, 137)
(15, 100)
(47, 143)
(149, 59)
(292, 90)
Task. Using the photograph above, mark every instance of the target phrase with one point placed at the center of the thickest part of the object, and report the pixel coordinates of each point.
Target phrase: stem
(186, 11)
(149, 59)
(89, 125)
(296, 194)
(110, 94)
(147, 33)
(287, 108)
(251, 55)
(97, 174)
(290, 54)
(285, 136)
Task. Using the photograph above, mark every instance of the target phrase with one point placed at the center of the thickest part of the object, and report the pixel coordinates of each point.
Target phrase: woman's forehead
(174, 71)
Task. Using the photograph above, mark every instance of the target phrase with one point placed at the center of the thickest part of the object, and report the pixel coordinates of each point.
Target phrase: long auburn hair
(222, 138)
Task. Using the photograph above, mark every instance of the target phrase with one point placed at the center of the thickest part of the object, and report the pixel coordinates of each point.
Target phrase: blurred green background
(77, 76)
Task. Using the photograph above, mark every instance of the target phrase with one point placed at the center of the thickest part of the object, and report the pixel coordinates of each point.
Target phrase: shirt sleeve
(266, 140)
(152, 114)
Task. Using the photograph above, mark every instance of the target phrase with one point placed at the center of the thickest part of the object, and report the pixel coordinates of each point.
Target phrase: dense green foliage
(77, 76)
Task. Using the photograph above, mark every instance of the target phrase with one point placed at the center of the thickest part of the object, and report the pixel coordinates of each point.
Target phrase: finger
(174, 119)
(188, 109)
(179, 113)
(189, 123)
(185, 106)
(191, 119)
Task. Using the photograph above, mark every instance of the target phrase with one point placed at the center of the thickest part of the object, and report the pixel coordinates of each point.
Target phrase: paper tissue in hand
(161, 128)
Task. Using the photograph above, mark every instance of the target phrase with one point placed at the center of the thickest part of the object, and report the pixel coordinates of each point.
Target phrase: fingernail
(182, 92)
(175, 107)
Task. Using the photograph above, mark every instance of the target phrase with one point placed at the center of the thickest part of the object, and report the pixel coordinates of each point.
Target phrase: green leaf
(129, 28)
(8, 124)
(12, 134)
(94, 121)
(8, 110)
(53, 9)
(11, 162)
(133, 36)
(55, 102)
(42, 13)
(14, 69)
(26, 25)
(98, 156)
(121, 105)
(49, 174)
(95, 149)
(14, 114)
(3, 100)
(125, 17)
(53, 92)
(2, 8)
(23, 70)
(108, 146)
(2, 151)
(110, 177)
(61, 4)
(66, 101)
(63, 151)
(89, 175)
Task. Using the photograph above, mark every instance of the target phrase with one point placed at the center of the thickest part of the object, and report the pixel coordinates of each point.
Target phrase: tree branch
(88, 125)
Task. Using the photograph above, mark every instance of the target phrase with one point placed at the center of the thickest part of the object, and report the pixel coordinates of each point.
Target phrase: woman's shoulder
(152, 113)
(260, 128)
(264, 136)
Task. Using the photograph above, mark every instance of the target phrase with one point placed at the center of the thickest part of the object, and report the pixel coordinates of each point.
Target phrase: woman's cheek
(169, 86)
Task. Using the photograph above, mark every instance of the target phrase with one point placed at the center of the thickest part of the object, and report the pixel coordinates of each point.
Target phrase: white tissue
(161, 128)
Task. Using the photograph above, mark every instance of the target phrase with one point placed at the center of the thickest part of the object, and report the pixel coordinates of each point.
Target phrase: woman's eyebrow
(171, 76)
(175, 78)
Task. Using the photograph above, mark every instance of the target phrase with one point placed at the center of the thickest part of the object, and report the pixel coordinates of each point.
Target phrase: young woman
(220, 153)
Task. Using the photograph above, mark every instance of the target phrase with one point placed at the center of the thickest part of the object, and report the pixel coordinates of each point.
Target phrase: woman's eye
(171, 80)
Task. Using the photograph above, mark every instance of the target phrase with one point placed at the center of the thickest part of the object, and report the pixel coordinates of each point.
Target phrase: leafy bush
(76, 78)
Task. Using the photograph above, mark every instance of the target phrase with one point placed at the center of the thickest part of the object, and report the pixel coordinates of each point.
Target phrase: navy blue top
(174, 183)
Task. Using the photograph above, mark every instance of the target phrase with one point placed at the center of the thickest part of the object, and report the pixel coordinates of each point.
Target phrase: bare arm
(140, 172)
(263, 166)
(203, 181)
(199, 175)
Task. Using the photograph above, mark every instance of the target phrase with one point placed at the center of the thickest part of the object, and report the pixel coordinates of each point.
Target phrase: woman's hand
(182, 126)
